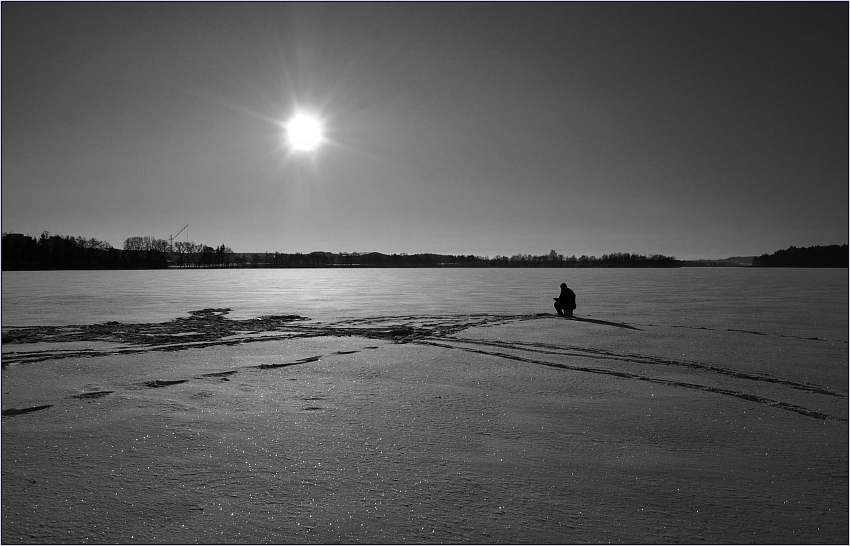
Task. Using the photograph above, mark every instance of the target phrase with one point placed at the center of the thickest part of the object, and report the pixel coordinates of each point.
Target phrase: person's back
(566, 302)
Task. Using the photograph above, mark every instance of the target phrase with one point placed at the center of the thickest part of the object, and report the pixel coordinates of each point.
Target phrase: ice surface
(494, 423)
(801, 302)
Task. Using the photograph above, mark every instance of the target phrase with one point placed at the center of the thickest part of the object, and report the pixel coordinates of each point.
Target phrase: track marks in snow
(651, 360)
(163, 383)
(475, 346)
(751, 332)
(212, 327)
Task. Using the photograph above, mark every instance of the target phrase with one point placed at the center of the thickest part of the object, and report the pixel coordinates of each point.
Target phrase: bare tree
(134, 243)
(183, 249)
(158, 245)
(197, 249)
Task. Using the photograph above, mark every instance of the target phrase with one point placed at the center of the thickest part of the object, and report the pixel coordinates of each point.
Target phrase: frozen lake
(798, 302)
(425, 406)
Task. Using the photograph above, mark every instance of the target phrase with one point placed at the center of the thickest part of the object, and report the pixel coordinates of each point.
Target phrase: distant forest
(22, 252)
(813, 256)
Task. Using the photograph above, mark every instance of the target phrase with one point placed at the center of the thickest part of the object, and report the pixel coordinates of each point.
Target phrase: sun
(304, 132)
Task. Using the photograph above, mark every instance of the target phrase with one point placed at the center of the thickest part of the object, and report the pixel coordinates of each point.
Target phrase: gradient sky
(693, 130)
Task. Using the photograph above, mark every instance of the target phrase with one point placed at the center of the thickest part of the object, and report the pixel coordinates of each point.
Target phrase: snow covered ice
(439, 427)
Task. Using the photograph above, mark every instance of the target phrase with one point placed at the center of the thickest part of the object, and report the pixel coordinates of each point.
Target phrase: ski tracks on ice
(483, 347)
(211, 327)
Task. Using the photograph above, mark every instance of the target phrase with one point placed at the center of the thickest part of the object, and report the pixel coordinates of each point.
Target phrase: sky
(695, 130)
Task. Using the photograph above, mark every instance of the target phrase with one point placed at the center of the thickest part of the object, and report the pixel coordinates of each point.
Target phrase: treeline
(22, 252)
(553, 259)
(812, 256)
(58, 252)
(378, 259)
(180, 254)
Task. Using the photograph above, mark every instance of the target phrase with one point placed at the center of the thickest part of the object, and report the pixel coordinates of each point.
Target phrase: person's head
(563, 285)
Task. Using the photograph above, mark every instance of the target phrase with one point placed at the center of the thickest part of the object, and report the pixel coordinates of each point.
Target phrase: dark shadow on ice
(159, 383)
(286, 364)
(18, 411)
(605, 322)
(95, 394)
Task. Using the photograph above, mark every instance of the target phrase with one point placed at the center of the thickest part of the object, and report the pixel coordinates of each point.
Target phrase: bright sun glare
(304, 132)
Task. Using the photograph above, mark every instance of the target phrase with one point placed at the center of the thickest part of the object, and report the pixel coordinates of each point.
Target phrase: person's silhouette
(566, 302)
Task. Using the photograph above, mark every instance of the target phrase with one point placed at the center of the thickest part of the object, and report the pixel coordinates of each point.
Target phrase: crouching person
(566, 302)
